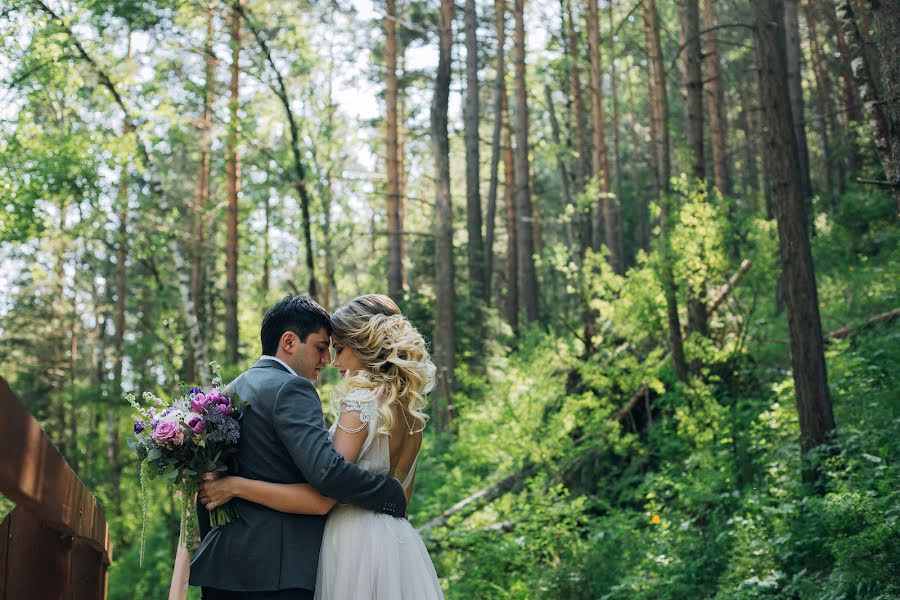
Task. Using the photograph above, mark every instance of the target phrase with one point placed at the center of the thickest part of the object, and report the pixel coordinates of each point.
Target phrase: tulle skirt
(367, 555)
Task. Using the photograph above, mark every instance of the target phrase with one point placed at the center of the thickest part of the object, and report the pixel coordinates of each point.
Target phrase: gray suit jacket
(283, 440)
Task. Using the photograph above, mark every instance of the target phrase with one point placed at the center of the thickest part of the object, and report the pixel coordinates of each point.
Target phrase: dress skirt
(368, 555)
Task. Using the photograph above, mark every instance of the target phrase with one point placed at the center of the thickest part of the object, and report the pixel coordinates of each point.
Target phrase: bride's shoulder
(361, 400)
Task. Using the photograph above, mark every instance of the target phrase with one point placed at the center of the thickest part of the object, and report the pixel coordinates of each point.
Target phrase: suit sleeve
(298, 421)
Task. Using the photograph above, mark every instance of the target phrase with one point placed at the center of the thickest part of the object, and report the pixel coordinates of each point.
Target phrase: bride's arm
(296, 498)
(181, 573)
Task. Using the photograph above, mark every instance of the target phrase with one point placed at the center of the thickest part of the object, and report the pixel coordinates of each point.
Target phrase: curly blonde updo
(398, 366)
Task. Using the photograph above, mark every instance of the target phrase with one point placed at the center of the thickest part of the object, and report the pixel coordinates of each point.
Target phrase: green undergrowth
(701, 496)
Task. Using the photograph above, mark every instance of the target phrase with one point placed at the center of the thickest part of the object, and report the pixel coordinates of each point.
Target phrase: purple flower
(197, 425)
(195, 390)
(224, 405)
(169, 432)
(154, 423)
(139, 425)
(200, 403)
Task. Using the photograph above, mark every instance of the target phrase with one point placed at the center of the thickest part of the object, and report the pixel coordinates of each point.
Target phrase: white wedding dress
(368, 555)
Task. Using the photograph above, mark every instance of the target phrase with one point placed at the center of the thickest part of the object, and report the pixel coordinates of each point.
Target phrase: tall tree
(560, 163)
(499, 111)
(233, 174)
(826, 123)
(807, 348)
(604, 219)
(202, 196)
(528, 291)
(512, 221)
(795, 89)
(715, 96)
(614, 97)
(475, 243)
(444, 336)
(394, 224)
(581, 124)
(693, 83)
(659, 127)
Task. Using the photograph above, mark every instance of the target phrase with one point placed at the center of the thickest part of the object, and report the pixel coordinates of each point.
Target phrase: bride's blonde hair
(398, 366)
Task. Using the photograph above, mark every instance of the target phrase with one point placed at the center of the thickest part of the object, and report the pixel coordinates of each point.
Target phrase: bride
(378, 425)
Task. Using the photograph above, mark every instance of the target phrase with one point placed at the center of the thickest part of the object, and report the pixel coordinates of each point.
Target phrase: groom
(266, 553)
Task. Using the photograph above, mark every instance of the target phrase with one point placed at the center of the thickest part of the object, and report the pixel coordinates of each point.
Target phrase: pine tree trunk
(525, 224)
(444, 337)
(475, 243)
(718, 125)
(201, 199)
(603, 220)
(614, 96)
(659, 102)
(751, 168)
(233, 170)
(825, 111)
(499, 108)
(512, 228)
(662, 167)
(640, 198)
(581, 124)
(696, 303)
(560, 165)
(807, 349)
(795, 90)
(401, 165)
(395, 257)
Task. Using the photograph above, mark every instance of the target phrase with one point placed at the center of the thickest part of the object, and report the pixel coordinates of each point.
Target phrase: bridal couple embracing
(322, 513)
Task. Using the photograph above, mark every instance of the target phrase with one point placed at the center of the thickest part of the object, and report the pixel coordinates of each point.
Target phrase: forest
(652, 244)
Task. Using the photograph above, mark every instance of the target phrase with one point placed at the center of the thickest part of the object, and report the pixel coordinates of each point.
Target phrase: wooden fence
(55, 543)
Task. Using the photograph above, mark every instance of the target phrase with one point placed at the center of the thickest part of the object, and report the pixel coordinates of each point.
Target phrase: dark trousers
(298, 594)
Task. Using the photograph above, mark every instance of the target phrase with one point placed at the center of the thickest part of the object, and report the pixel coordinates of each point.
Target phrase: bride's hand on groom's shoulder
(216, 490)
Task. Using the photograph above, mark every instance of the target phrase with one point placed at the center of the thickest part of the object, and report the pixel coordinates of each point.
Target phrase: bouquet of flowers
(182, 440)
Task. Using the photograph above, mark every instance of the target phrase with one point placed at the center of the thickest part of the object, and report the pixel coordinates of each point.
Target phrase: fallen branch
(846, 331)
(879, 183)
(484, 495)
(726, 289)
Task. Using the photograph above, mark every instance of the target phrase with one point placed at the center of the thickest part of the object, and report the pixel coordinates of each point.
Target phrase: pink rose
(169, 432)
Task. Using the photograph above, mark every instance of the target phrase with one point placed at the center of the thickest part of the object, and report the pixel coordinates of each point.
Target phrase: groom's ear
(288, 342)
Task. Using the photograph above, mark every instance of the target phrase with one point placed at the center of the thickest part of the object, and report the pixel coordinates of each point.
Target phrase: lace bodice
(374, 456)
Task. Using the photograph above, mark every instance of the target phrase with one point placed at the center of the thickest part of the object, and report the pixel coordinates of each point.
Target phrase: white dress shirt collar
(278, 360)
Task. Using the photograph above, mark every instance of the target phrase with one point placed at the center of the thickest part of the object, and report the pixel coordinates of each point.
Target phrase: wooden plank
(38, 559)
(36, 477)
(87, 577)
(4, 542)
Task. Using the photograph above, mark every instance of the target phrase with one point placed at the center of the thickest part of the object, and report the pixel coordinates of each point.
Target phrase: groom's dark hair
(299, 314)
